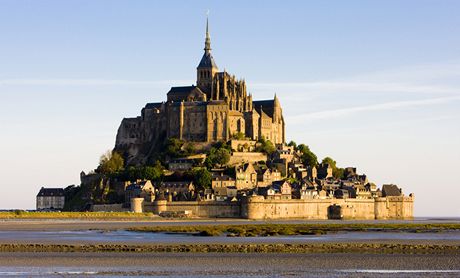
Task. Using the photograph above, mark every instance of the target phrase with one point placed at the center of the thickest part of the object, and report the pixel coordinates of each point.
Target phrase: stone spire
(207, 42)
(276, 101)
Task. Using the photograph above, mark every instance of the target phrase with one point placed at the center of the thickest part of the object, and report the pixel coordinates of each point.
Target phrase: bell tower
(207, 68)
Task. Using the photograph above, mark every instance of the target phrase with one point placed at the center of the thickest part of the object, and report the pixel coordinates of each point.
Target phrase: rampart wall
(212, 209)
(256, 207)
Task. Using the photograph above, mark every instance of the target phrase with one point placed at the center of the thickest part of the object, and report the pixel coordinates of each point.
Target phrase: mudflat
(70, 224)
(231, 265)
(229, 236)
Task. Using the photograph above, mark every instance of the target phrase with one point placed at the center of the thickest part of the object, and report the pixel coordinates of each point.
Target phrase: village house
(228, 193)
(140, 189)
(246, 176)
(279, 190)
(324, 171)
(184, 188)
(222, 181)
(391, 190)
(312, 173)
(181, 164)
(265, 176)
(285, 152)
(50, 199)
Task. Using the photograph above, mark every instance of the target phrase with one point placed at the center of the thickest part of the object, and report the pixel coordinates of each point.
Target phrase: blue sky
(373, 84)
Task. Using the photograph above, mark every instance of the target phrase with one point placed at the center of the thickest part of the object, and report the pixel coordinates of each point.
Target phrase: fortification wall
(201, 209)
(108, 208)
(394, 207)
(363, 209)
(245, 157)
(260, 208)
(256, 207)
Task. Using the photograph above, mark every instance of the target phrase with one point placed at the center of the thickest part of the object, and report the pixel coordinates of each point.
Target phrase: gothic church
(217, 108)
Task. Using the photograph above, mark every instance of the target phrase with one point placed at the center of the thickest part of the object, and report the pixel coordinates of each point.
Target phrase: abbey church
(216, 108)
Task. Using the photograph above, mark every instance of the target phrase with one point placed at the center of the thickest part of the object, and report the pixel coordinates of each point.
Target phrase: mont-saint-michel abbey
(211, 150)
(214, 109)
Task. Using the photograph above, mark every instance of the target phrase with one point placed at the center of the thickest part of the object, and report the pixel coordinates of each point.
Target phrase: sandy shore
(231, 265)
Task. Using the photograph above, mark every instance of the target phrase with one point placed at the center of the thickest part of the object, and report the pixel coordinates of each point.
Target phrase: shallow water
(121, 236)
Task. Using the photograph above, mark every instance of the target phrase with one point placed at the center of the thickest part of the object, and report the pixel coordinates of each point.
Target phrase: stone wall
(212, 209)
(257, 207)
(245, 157)
(108, 208)
(393, 207)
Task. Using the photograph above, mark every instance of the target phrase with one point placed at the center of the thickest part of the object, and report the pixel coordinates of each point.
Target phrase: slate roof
(48, 192)
(181, 91)
(152, 105)
(390, 190)
(267, 106)
(207, 61)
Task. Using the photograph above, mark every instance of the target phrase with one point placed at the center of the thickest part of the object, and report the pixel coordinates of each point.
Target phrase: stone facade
(214, 109)
(50, 199)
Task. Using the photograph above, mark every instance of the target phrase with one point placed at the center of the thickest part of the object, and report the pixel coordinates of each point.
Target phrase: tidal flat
(179, 248)
(77, 264)
(232, 236)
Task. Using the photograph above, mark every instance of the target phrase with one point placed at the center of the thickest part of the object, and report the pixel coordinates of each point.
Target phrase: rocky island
(210, 150)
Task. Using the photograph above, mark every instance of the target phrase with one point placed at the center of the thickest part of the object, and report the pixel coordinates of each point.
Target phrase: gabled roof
(245, 167)
(49, 192)
(183, 90)
(267, 106)
(181, 93)
(390, 190)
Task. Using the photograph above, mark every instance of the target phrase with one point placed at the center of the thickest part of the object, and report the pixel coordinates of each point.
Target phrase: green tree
(217, 157)
(190, 148)
(292, 144)
(202, 178)
(265, 146)
(330, 161)
(110, 163)
(336, 171)
(308, 157)
(174, 147)
(154, 173)
(238, 136)
(222, 156)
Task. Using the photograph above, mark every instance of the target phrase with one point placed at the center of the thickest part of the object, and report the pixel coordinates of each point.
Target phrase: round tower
(137, 205)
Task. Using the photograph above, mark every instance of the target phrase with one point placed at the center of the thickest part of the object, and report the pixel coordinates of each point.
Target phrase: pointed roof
(207, 42)
(207, 61)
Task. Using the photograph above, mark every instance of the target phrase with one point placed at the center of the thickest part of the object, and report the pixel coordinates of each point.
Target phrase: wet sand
(382, 258)
(80, 224)
(231, 265)
(102, 236)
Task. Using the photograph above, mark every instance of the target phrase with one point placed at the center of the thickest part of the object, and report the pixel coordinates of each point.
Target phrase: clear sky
(373, 84)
